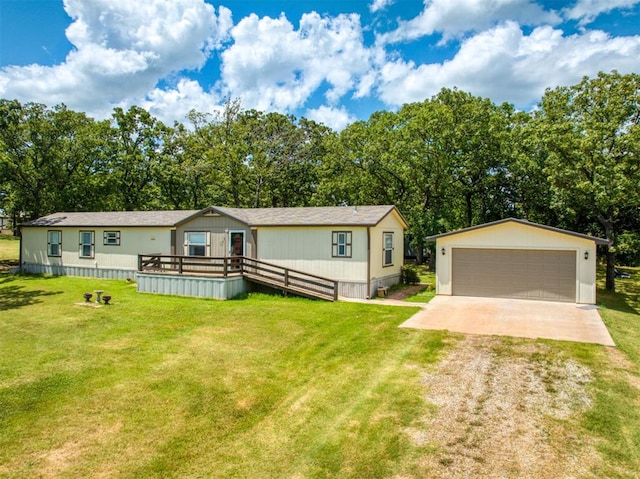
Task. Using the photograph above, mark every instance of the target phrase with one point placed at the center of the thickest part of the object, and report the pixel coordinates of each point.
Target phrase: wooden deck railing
(158, 263)
(287, 279)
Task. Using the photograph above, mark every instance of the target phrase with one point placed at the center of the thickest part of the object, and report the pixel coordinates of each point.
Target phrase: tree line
(451, 161)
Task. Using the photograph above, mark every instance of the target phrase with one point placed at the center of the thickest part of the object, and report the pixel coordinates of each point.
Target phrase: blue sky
(331, 61)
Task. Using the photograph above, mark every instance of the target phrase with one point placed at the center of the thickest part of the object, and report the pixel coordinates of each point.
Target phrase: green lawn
(9, 248)
(427, 286)
(157, 386)
(427, 278)
(261, 387)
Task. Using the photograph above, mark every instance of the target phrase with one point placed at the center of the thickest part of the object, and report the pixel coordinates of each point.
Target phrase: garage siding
(514, 273)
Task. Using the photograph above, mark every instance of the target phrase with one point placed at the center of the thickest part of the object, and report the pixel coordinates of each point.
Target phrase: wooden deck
(260, 272)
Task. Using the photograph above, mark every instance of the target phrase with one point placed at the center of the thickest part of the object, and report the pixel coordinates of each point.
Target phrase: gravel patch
(494, 413)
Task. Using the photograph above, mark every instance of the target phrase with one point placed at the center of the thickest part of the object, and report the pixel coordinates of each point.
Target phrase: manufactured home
(209, 252)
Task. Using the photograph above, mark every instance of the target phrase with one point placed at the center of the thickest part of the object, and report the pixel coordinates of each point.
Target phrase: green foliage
(451, 161)
(50, 159)
(591, 133)
(410, 274)
(58, 160)
(627, 248)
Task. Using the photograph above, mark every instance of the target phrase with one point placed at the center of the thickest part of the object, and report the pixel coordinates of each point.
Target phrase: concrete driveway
(511, 317)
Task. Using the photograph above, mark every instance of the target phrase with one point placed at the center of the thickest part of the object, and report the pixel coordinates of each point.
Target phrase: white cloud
(122, 49)
(378, 5)
(129, 53)
(335, 118)
(174, 104)
(452, 18)
(272, 66)
(506, 65)
(586, 11)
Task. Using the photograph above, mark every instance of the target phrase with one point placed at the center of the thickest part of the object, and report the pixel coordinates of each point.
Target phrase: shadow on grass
(619, 301)
(15, 296)
(626, 299)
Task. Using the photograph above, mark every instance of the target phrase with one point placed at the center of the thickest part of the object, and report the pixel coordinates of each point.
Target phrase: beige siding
(218, 228)
(389, 224)
(133, 241)
(518, 236)
(308, 249)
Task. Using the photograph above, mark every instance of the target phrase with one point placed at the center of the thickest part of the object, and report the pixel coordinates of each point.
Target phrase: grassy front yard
(157, 386)
(9, 248)
(264, 387)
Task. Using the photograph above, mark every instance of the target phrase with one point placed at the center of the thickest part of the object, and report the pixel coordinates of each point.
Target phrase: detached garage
(515, 258)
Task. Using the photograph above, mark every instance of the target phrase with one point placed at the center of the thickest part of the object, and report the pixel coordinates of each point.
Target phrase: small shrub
(410, 274)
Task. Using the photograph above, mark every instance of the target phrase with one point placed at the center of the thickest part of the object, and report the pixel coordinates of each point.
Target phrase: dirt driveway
(499, 411)
(511, 317)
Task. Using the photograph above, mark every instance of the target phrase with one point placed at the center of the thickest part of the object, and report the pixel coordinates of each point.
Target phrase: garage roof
(600, 241)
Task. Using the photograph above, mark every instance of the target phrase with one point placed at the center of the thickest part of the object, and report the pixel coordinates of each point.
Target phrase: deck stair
(256, 271)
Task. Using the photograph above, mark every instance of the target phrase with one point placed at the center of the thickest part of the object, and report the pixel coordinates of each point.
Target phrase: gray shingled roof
(113, 218)
(597, 240)
(318, 216)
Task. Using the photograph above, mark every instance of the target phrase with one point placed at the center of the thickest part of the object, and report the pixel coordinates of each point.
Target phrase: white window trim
(58, 244)
(207, 242)
(385, 249)
(92, 244)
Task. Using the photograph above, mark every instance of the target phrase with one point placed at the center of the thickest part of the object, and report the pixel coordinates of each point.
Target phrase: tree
(50, 159)
(137, 156)
(372, 166)
(284, 160)
(592, 135)
(187, 179)
(474, 133)
(429, 167)
(527, 183)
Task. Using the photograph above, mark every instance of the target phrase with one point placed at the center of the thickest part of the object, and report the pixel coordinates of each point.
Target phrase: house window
(87, 244)
(387, 251)
(196, 243)
(54, 243)
(111, 238)
(341, 244)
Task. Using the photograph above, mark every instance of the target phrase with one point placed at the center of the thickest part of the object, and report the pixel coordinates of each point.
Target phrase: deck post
(286, 277)
(225, 267)
(139, 262)
(180, 265)
(335, 291)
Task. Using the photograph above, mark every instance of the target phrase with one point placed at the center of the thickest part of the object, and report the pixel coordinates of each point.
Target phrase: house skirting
(358, 289)
(352, 289)
(86, 271)
(201, 286)
(385, 281)
(192, 285)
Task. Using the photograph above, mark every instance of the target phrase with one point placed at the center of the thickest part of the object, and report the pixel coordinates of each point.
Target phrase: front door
(236, 243)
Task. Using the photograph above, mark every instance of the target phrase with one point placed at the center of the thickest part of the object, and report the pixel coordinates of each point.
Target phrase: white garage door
(511, 273)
